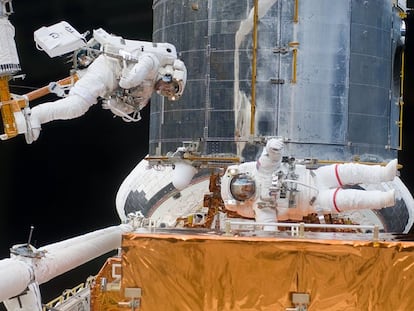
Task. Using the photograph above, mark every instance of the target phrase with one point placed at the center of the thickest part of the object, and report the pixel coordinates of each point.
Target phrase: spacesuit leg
(66, 108)
(339, 200)
(97, 81)
(62, 109)
(338, 175)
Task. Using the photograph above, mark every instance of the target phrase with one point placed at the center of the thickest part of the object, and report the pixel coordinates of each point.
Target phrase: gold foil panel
(107, 299)
(189, 272)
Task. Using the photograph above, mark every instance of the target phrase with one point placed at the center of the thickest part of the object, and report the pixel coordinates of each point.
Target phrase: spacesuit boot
(339, 200)
(33, 131)
(265, 214)
(27, 124)
(353, 173)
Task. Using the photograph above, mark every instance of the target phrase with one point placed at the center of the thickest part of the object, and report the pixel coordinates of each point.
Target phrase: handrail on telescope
(254, 67)
(298, 229)
(401, 102)
(296, 12)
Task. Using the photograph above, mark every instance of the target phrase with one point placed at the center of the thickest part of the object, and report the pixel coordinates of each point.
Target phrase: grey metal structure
(328, 76)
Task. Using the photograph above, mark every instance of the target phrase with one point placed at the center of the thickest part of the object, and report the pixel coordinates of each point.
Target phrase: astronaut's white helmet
(171, 80)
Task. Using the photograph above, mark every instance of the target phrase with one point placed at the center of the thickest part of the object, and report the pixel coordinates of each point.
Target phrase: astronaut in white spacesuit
(270, 190)
(124, 75)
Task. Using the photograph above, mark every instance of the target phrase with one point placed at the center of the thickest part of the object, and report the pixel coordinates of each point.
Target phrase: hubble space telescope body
(324, 77)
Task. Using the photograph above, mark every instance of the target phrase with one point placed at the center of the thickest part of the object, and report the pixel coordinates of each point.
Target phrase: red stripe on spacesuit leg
(334, 200)
(337, 175)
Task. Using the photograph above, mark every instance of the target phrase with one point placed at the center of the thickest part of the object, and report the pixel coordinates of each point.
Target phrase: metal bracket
(277, 81)
(281, 50)
(301, 302)
(135, 294)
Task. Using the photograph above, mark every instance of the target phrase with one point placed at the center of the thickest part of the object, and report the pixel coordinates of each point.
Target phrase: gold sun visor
(169, 87)
(171, 80)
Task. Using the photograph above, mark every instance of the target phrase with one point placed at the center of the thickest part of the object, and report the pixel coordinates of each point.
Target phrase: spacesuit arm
(271, 156)
(145, 69)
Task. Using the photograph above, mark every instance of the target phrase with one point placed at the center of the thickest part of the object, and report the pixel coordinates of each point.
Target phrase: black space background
(65, 183)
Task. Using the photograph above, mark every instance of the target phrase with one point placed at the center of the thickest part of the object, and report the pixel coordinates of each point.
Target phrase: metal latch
(300, 302)
(277, 81)
(135, 294)
(281, 50)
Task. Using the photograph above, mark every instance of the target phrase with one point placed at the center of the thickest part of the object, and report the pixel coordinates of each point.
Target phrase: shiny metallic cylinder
(9, 59)
(328, 77)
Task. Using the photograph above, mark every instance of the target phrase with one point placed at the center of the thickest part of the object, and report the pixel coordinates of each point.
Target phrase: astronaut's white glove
(271, 156)
(274, 148)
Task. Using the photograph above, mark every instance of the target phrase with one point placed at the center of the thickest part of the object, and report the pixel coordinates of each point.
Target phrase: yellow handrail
(401, 102)
(294, 65)
(296, 12)
(294, 45)
(254, 67)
